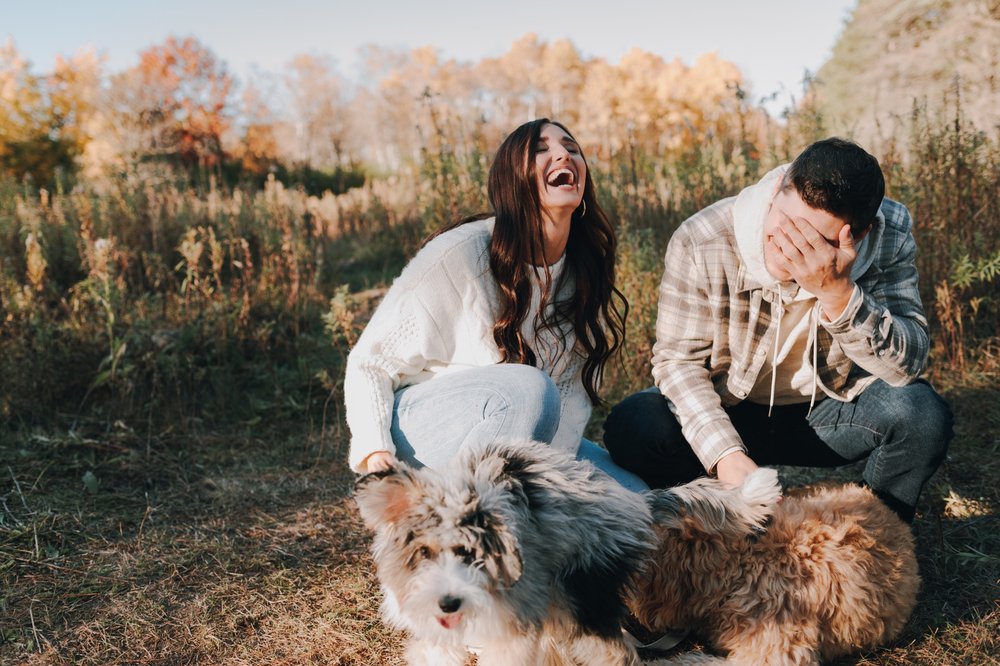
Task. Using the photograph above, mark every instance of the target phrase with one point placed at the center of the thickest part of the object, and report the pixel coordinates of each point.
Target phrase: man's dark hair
(839, 177)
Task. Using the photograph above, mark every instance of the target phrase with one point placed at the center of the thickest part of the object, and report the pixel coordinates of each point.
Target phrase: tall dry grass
(948, 173)
(152, 298)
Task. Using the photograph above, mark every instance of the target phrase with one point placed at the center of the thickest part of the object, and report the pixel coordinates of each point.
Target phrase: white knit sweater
(437, 318)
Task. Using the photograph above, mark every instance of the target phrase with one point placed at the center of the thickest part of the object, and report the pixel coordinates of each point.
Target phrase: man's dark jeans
(903, 432)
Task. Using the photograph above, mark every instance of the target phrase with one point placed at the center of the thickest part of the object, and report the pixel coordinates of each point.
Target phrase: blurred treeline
(174, 252)
(180, 107)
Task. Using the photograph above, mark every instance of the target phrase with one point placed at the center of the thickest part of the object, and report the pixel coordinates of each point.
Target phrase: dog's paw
(761, 487)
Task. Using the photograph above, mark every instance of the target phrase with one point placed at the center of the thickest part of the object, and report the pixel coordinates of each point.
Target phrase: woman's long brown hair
(596, 309)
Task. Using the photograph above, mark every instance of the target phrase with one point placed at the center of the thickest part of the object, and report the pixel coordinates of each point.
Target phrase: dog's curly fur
(517, 549)
(827, 571)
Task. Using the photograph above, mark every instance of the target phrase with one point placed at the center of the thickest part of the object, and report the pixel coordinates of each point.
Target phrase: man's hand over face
(820, 266)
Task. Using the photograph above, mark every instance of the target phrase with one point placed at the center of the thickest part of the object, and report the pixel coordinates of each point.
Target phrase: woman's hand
(733, 468)
(378, 462)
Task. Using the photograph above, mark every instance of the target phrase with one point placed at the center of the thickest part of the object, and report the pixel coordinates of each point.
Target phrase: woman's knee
(528, 401)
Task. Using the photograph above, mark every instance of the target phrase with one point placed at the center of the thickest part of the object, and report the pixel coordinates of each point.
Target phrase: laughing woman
(500, 327)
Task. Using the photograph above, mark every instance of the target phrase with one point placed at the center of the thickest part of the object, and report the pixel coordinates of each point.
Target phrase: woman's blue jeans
(433, 420)
(902, 431)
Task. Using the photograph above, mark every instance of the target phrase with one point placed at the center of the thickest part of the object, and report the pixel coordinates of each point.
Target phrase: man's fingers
(803, 234)
(846, 238)
(811, 234)
(778, 253)
(786, 244)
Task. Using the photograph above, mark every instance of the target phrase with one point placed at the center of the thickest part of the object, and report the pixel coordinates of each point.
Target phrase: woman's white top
(438, 317)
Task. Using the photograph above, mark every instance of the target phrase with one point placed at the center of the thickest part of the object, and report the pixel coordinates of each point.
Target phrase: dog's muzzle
(449, 605)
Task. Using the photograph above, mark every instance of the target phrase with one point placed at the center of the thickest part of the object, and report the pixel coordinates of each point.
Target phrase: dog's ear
(386, 496)
(502, 463)
(504, 562)
(497, 543)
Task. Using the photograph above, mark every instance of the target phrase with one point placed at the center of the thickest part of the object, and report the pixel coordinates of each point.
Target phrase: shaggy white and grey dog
(828, 571)
(517, 549)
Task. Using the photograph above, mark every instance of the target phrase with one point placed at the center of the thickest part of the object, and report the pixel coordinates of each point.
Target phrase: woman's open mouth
(562, 178)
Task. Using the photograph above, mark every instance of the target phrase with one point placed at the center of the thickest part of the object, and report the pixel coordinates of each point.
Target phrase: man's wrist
(835, 302)
(714, 471)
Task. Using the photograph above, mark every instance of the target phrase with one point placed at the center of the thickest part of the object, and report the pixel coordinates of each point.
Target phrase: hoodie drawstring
(814, 341)
(774, 353)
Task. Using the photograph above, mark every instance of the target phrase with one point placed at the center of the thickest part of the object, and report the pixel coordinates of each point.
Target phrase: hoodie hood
(749, 211)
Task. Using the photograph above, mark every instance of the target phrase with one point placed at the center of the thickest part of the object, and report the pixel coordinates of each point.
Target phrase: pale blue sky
(772, 41)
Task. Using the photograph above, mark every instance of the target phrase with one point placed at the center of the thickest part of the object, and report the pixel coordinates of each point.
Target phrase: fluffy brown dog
(833, 572)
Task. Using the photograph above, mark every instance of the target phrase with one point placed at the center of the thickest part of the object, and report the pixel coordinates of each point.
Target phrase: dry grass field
(125, 547)
(173, 487)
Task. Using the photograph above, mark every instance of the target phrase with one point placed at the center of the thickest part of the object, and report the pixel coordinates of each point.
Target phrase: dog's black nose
(449, 604)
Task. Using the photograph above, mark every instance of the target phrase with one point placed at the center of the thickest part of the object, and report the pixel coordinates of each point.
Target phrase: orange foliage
(189, 90)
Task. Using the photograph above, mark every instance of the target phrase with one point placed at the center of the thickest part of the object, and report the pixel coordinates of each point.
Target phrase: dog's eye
(464, 553)
(417, 556)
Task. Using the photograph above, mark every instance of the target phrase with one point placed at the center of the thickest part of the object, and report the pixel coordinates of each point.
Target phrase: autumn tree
(319, 107)
(534, 78)
(181, 94)
(259, 148)
(43, 118)
(657, 105)
(75, 97)
(415, 100)
(514, 81)
(386, 107)
(600, 117)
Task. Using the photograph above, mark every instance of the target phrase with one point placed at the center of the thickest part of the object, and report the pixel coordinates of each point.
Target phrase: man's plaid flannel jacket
(716, 323)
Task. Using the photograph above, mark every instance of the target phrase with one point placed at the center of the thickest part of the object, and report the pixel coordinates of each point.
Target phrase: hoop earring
(583, 202)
